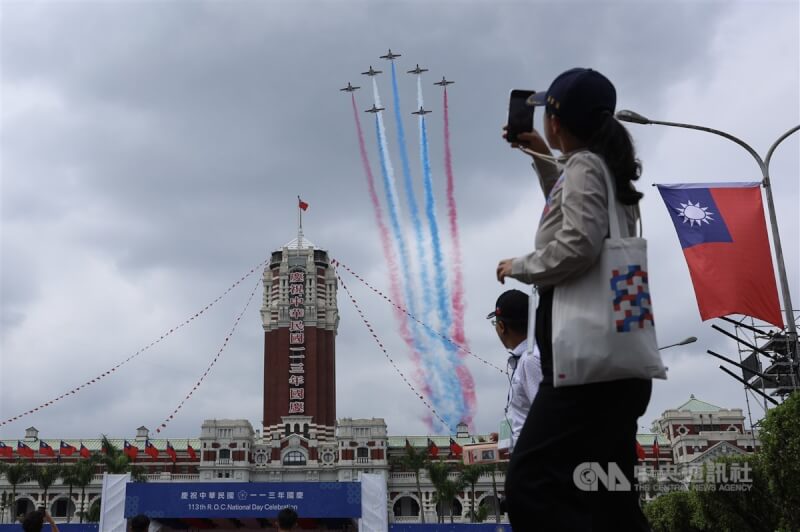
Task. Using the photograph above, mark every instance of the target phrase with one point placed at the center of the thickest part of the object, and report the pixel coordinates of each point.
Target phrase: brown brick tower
(300, 318)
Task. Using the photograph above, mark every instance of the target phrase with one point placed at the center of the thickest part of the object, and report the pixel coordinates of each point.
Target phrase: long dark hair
(613, 143)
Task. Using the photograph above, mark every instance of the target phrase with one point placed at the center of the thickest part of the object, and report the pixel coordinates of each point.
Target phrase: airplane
(390, 56)
(418, 70)
(421, 112)
(444, 82)
(349, 88)
(374, 109)
(372, 72)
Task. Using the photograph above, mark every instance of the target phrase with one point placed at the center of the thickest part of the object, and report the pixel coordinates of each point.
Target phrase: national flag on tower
(433, 449)
(171, 452)
(45, 449)
(302, 204)
(24, 450)
(84, 452)
(131, 451)
(151, 450)
(640, 454)
(723, 233)
(6, 451)
(190, 450)
(65, 449)
(455, 448)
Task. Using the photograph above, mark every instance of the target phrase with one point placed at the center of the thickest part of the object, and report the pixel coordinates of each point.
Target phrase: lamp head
(625, 115)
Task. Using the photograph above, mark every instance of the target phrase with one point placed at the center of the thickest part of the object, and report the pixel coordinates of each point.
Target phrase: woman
(569, 426)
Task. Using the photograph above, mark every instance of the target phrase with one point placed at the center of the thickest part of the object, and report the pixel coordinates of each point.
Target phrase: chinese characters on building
(297, 340)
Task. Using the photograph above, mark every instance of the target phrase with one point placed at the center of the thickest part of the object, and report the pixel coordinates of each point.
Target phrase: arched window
(406, 507)
(297, 428)
(288, 429)
(294, 458)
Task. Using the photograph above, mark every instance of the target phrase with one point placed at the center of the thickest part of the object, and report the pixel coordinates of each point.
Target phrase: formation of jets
(372, 72)
(390, 56)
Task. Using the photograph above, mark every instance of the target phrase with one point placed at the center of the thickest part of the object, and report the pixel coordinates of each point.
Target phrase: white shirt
(526, 367)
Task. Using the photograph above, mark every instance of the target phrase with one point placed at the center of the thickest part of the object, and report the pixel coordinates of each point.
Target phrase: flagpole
(763, 164)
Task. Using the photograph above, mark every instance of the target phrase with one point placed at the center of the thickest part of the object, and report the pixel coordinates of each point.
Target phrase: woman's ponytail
(613, 143)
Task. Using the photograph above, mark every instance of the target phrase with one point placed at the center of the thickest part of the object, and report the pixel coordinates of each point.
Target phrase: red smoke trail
(467, 384)
(388, 252)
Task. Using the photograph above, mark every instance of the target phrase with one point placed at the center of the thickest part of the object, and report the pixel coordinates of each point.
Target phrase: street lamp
(690, 340)
(763, 164)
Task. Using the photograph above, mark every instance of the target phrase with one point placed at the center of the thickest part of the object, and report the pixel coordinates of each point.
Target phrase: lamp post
(685, 341)
(763, 164)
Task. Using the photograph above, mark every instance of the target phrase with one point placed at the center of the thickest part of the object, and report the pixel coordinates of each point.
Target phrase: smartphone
(520, 114)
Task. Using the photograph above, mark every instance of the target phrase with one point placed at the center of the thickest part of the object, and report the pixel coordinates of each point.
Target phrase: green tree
(17, 473)
(68, 477)
(446, 489)
(677, 511)
(779, 458)
(414, 460)
(83, 471)
(471, 474)
(116, 462)
(46, 476)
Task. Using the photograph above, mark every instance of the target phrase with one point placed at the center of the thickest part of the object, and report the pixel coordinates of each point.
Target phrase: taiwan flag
(131, 451)
(640, 452)
(192, 453)
(5, 450)
(455, 448)
(84, 452)
(723, 234)
(66, 449)
(433, 449)
(151, 450)
(24, 450)
(171, 452)
(45, 449)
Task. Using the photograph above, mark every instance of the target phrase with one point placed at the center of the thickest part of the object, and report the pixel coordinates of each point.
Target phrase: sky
(151, 153)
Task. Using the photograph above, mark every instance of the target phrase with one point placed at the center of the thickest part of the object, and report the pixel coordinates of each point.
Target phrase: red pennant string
(142, 350)
(460, 347)
(386, 354)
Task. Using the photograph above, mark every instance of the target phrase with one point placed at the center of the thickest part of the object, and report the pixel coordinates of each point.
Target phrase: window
(288, 429)
(60, 508)
(362, 455)
(224, 433)
(294, 458)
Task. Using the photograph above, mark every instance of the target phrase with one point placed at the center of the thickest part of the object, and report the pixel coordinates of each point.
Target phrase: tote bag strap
(613, 205)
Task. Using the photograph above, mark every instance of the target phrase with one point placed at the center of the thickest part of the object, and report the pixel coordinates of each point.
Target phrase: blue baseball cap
(580, 98)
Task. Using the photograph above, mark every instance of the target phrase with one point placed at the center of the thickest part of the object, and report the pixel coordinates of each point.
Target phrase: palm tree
(470, 474)
(83, 471)
(68, 477)
(414, 460)
(117, 462)
(46, 476)
(446, 489)
(17, 473)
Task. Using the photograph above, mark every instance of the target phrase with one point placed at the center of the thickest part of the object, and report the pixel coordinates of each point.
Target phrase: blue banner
(242, 499)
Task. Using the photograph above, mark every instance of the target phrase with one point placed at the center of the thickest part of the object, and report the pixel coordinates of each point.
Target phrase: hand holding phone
(520, 114)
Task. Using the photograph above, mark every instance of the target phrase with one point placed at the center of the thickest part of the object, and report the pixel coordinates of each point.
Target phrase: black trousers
(567, 427)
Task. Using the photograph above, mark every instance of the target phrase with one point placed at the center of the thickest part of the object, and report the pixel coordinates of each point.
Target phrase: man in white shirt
(510, 320)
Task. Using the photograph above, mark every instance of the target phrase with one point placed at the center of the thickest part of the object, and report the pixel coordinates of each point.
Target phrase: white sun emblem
(694, 213)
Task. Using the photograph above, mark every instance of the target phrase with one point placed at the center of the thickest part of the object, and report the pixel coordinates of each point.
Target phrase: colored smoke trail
(442, 295)
(388, 251)
(416, 222)
(467, 383)
(432, 377)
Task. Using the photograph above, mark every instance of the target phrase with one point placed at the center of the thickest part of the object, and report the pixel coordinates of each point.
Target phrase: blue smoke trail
(432, 374)
(442, 293)
(427, 293)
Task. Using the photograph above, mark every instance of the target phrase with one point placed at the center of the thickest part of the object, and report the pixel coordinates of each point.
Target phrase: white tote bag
(603, 326)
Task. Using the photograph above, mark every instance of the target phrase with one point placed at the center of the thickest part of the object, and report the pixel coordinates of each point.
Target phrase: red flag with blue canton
(45, 449)
(192, 453)
(24, 450)
(84, 452)
(171, 452)
(5, 450)
(131, 451)
(640, 452)
(151, 450)
(66, 449)
(723, 233)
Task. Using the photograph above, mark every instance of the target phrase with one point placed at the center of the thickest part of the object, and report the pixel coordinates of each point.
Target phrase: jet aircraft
(372, 72)
(374, 109)
(349, 88)
(421, 112)
(444, 82)
(418, 70)
(390, 56)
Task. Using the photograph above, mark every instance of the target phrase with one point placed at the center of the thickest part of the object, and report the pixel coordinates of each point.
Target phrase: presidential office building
(300, 439)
